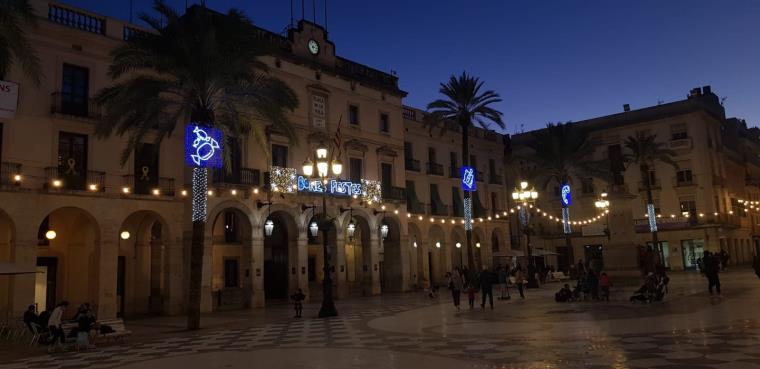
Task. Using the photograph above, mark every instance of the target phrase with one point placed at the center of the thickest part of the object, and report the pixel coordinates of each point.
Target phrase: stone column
(424, 274)
(339, 277)
(24, 254)
(207, 292)
(246, 263)
(375, 262)
(155, 299)
(257, 269)
(176, 268)
(405, 267)
(108, 253)
(621, 252)
(302, 262)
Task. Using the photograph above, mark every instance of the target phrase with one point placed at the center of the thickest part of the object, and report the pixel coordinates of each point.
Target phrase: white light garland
(200, 184)
(468, 213)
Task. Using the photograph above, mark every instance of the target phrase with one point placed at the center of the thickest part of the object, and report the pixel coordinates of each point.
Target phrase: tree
(201, 67)
(14, 45)
(465, 105)
(560, 152)
(645, 151)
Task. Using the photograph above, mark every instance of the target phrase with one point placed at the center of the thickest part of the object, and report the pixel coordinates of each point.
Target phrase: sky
(550, 60)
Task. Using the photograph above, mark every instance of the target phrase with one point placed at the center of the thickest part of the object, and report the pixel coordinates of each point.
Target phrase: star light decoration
(283, 179)
(372, 191)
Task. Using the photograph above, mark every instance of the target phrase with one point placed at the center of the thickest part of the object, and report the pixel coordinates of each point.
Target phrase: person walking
(605, 283)
(58, 338)
(520, 281)
(298, 298)
(456, 283)
(487, 279)
(711, 270)
(504, 283)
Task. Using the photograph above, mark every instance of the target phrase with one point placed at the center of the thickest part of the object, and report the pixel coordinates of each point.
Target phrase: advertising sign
(8, 99)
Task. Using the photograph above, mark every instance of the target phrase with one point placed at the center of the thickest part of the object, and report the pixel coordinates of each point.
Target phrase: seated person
(564, 294)
(30, 317)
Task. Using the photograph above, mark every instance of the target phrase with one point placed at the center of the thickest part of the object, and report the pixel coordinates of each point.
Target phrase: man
(487, 279)
(30, 317)
(54, 325)
(712, 267)
(503, 282)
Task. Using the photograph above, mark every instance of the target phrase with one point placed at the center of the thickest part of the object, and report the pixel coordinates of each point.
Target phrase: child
(605, 283)
(298, 298)
(471, 295)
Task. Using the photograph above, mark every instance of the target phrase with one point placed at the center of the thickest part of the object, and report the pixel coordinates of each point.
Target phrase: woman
(456, 285)
(519, 280)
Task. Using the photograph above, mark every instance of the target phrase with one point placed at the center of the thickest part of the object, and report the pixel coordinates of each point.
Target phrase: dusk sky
(550, 60)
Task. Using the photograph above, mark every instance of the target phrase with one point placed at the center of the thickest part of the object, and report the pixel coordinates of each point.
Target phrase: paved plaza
(689, 330)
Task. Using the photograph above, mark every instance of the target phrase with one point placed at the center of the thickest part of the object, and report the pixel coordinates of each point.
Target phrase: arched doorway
(68, 259)
(6, 254)
(416, 257)
(437, 267)
(392, 269)
(358, 256)
(458, 248)
(231, 255)
(279, 254)
(140, 281)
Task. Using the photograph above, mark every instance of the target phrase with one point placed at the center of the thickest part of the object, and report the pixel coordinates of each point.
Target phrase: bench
(119, 330)
(559, 276)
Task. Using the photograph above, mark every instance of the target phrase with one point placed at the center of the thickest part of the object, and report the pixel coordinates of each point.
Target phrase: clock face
(313, 47)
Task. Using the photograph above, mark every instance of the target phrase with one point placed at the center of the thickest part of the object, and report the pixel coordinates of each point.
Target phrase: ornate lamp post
(325, 168)
(525, 196)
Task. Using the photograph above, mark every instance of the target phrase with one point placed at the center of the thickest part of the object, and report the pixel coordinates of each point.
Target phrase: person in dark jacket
(711, 270)
(30, 317)
(487, 280)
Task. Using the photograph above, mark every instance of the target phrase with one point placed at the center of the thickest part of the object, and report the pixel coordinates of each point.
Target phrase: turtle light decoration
(202, 148)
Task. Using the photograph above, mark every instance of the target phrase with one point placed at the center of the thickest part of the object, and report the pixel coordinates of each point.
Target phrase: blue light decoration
(565, 195)
(333, 187)
(468, 178)
(467, 213)
(202, 148)
(566, 220)
(652, 217)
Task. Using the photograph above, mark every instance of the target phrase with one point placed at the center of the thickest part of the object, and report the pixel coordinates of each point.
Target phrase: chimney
(695, 92)
(626, 107)
(706, 90)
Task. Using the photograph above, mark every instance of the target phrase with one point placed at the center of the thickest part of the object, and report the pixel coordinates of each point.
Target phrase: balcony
(8, 173)
(75, 106)
(391, 193)
(92, 181)
(241, 177)
(409, 113)
(438, 209)
(75, 19)
(415, 207)
(685, 181)
(495, 179)
(654, 184)
(435, 169)
(165, 186)
(412, 165)
(681, 144)
(681, 222)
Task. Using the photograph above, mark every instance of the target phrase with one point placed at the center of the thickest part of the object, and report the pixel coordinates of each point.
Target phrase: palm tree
(466, 106)
(14, 45)
(201, 67)
(560, 152)
(645, 151)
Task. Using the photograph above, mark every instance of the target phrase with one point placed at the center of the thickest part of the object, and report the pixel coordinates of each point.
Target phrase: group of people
(49, 324)
(462, 280)
(591, 284)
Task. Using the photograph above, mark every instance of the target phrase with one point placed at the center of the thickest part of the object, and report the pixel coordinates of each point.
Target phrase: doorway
(45, 283)
(594, 257)
(692, 250)
(120, 271)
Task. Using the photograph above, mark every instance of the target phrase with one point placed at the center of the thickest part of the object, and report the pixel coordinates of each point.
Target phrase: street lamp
(526, 196)
(603, 205)
(324, 165)
(384, 231)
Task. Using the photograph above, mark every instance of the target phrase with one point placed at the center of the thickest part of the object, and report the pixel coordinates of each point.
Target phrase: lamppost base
(328, 309)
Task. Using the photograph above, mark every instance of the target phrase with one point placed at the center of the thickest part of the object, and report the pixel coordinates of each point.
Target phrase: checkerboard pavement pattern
(734, 346)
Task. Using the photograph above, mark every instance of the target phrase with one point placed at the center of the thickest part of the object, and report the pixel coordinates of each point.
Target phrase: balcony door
(146, 168)
(386, 175)
(75, 85)
(72, 160)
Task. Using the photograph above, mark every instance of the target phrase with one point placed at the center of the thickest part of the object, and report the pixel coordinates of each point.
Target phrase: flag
(338, 141)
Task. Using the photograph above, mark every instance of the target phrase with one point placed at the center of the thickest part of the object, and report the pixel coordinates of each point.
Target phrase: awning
(509, 253)
(7, 268)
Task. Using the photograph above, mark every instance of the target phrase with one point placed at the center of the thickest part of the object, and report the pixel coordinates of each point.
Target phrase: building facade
(707, 202)
(119, 236)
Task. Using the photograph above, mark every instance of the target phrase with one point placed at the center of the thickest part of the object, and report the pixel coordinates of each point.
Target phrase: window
(491, 167)
(353, 114)
(318, 110)
(473, 162)
(386, 175)
(384, 123)
(453, 164)
(617, 166)
(684, 176)
(280, 156)
(72, 160)
(456, 202)
(431, 155)
(146, 168)
(355, 169)
(408, 153)
(688, 206)
(587, 185)
(678, 132)
(231, 273)
(75, 85)
(230, 227)
(494, 202)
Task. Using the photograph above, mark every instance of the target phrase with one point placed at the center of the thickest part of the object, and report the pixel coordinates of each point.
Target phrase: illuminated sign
(202, 147)
(565, 195)
(333, 187)
(468, 178)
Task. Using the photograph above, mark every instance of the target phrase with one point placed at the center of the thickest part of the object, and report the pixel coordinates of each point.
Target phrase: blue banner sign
(565, 195)
(202, 147)
(468, 178)
(333, 187)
